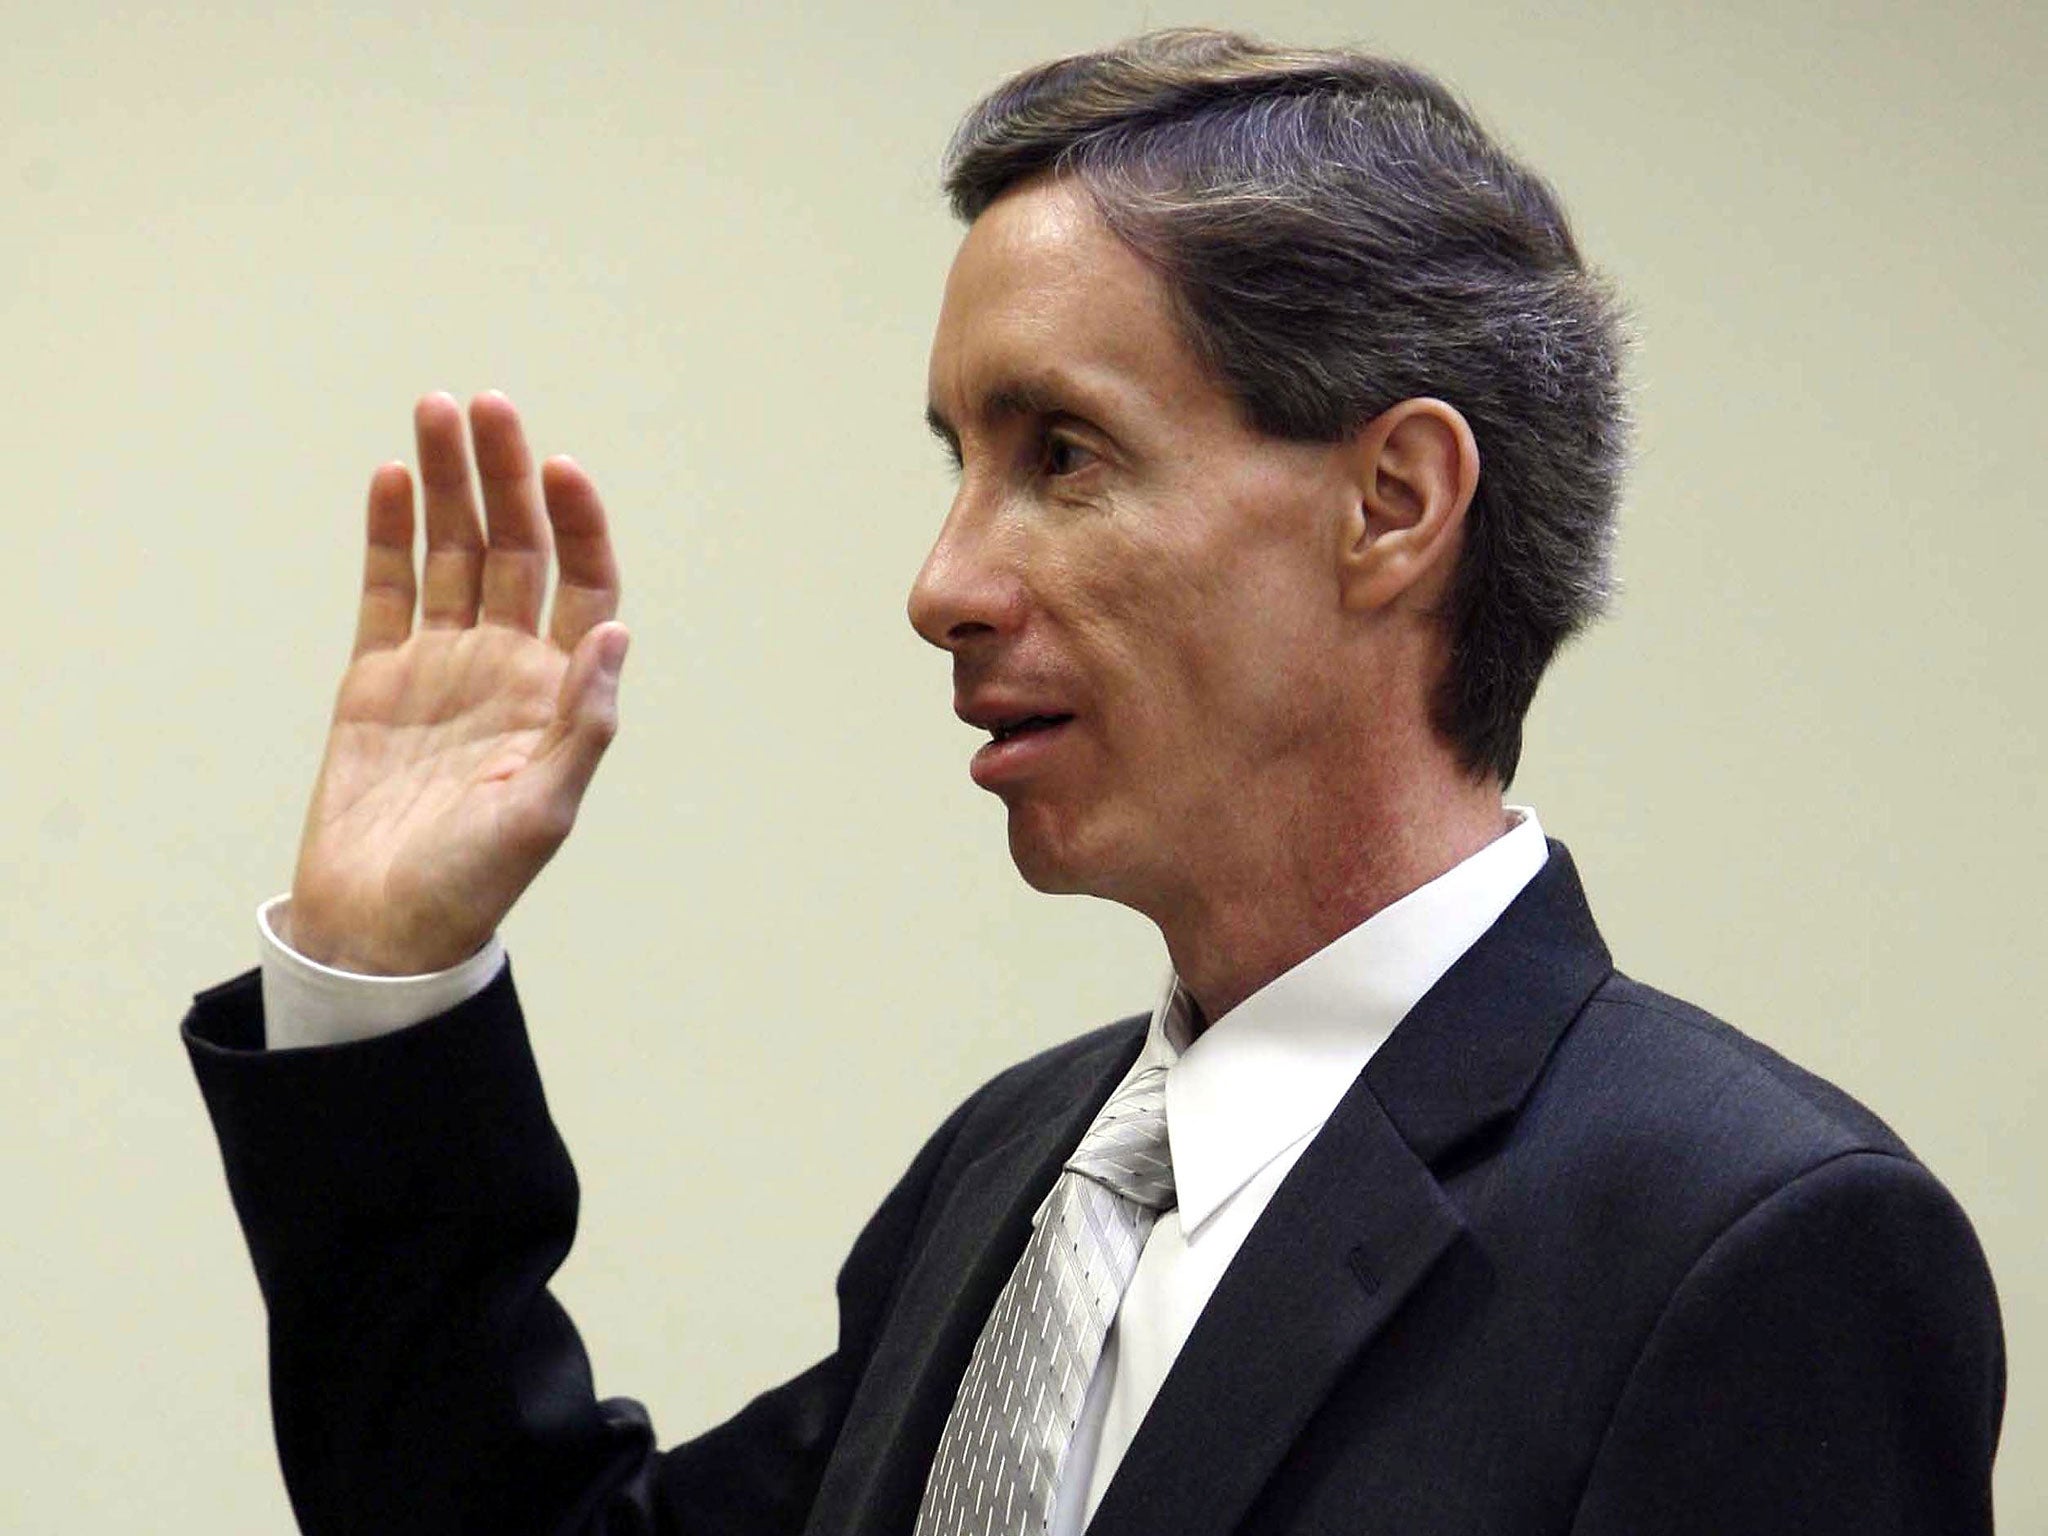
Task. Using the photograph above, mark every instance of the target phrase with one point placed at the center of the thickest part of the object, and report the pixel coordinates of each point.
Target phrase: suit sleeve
(406, 1200)
(1832, 1364)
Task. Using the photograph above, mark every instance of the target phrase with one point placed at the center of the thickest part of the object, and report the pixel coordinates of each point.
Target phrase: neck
(1268, 907)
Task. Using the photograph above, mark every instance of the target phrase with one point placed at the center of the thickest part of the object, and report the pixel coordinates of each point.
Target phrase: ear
(1416, 465)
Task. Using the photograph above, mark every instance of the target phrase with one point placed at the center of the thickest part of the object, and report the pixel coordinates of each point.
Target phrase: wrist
(360, 949)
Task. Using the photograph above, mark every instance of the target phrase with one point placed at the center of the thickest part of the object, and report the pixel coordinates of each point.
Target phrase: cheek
(1193, 638)
(1139, 626)
(1173, 693)
(1245, 666)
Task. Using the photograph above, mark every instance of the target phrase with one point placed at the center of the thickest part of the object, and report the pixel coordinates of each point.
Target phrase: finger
(385, 617)
(588, 593)
(586, 720)
(516, 567)
(455, 539)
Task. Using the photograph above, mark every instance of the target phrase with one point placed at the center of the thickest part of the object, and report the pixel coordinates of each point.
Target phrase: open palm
(463, 737)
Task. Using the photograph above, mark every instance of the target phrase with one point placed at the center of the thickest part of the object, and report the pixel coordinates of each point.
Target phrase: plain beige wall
(1801, 768)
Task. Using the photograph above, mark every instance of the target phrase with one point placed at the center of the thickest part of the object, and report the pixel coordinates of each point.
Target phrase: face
(1136, 588)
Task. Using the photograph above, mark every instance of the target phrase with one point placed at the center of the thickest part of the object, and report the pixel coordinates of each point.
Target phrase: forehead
(1043, 297)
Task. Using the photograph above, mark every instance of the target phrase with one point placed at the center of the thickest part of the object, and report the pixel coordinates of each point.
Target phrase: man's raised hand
(463, 738)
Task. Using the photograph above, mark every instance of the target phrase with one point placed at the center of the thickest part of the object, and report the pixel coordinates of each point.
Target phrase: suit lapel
(1360, 1220)
(1467, 1055)
(1354, 1228)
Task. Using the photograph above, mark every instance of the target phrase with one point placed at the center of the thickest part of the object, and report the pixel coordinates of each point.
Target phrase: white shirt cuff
(307, 1003)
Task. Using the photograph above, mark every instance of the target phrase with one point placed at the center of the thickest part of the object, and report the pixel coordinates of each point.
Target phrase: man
(1288, 426)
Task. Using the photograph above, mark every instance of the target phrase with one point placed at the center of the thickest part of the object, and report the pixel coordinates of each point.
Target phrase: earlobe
(1416, 466)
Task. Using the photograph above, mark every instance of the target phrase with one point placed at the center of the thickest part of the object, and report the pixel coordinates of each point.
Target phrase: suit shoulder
(1702, 1071)
(1670, 1124)
(1659, 1135)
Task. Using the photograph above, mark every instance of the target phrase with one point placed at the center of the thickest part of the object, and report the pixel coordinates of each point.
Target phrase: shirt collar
(1268, 1073)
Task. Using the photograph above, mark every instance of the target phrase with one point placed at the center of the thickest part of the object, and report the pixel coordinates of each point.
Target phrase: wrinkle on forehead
(1044, 298)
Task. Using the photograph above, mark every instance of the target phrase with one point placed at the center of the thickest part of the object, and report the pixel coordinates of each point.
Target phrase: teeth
(1029, 722)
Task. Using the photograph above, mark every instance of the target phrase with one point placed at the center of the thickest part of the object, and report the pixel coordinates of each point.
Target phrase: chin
(1044, 866)
(1060, 859)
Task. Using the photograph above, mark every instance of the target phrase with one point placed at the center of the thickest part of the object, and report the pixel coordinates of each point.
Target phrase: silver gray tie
(997, 1471)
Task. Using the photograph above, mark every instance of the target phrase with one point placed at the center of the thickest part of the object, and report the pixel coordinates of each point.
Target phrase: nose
(967, 588)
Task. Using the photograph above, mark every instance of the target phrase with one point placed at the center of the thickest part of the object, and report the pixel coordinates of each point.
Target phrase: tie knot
(1126, 1149)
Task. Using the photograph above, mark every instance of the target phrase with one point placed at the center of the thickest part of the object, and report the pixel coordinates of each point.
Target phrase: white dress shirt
(1242, 1100)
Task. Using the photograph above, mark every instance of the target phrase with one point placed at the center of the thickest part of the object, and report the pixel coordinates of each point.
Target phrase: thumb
(586, 712)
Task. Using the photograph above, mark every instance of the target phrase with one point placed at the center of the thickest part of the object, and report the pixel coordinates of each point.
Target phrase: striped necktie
(997, 1471)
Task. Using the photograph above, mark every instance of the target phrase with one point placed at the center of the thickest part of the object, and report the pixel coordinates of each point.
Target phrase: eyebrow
(1005, 402)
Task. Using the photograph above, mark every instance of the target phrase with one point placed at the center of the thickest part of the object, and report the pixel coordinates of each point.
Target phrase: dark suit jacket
(1571, 1256)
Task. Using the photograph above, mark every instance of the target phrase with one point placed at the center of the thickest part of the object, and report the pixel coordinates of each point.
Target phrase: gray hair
(1339, 235)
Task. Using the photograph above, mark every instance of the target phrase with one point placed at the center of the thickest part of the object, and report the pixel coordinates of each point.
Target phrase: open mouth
(1027, 725)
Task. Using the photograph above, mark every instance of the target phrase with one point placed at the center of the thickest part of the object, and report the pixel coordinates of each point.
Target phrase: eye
(1062, 455)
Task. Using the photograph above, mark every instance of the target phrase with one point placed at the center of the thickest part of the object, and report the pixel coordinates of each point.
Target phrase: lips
(1022, 740)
